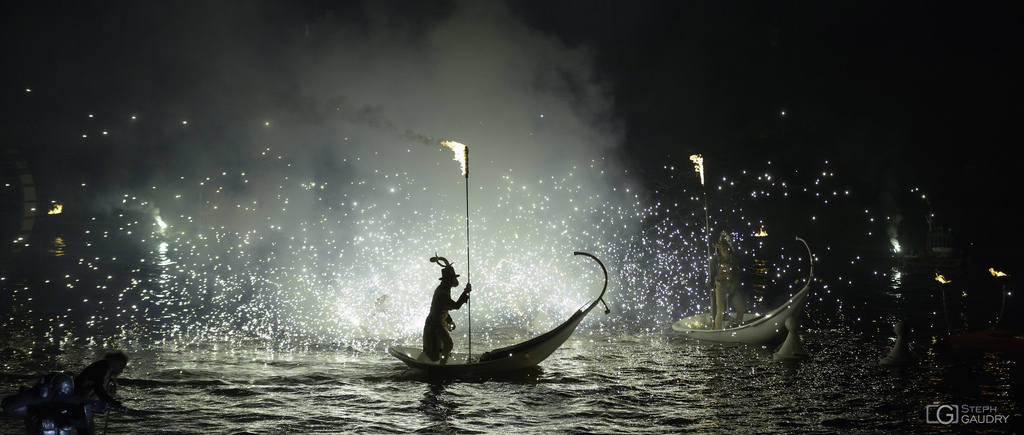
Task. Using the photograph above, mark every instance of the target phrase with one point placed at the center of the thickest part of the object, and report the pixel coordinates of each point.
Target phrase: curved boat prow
(507, 359)
(600, 298)
(761, 330)
(810, 259)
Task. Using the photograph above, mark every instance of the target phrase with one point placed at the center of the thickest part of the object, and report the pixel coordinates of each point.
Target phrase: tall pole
(713, 301)
(698, 165)
(462, 156)
(469, 276)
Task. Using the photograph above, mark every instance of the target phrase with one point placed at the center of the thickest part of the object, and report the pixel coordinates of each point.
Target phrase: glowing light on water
(57, 247)
(941, 278)
(996, 273)
(56, 209)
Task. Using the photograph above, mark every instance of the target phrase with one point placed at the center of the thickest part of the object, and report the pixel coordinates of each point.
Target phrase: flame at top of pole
(460, 155)
(698, 165)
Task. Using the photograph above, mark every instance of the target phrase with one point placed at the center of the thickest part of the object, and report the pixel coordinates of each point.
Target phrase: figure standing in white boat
(437, 342)
(725, 280)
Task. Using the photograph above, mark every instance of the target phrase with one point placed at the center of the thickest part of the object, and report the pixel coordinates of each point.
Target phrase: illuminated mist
(294, 188)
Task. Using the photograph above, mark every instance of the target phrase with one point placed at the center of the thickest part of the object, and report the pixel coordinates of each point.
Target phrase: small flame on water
(698, 165)
(941, 279)
(995, 272)
(761, 233)
(57, 209)
(460, 154)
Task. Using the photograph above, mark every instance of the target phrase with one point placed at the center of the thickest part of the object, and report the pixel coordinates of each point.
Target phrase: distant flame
(995, 272)
(698, 165)
(57, 209)
(761, 233)
(460, 155)
(941, 279)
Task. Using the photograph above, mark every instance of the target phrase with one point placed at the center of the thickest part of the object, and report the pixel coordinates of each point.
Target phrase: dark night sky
(901, 93)
(889, 88)
(881, 85)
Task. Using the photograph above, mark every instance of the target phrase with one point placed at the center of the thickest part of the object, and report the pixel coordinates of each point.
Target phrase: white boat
(762, 330)
(507, 359)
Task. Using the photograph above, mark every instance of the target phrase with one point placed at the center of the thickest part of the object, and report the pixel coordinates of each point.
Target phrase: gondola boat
(507, 359)
(762, 330)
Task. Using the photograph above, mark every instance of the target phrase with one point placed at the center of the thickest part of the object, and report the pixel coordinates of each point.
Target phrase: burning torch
(462, 156)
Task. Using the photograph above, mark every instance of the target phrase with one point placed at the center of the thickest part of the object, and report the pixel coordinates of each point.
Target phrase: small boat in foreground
(507, 359)
(762, 330)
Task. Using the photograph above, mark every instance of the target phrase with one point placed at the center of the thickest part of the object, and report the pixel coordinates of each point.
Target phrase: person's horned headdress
(447, 271)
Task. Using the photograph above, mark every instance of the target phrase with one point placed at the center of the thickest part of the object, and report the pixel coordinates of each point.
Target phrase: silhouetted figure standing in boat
(437, 342)
(725, 280)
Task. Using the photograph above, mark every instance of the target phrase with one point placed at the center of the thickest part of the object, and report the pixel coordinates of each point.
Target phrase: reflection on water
(761, 281)
(57, 247)
(603, 380)
(599, 382)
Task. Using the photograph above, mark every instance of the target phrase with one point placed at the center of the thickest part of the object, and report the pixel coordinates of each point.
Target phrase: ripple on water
(597, 383)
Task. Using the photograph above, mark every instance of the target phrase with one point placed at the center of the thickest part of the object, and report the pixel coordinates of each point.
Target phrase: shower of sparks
(327, 258)
(460, 155)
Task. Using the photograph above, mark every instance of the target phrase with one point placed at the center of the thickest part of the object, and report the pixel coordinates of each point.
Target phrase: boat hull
(509, 359)
(490, 363)
(762, 330)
